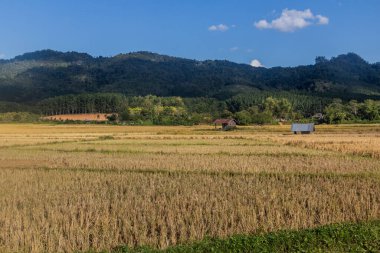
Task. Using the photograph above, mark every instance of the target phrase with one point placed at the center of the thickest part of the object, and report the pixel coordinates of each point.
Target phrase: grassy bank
(362, 237)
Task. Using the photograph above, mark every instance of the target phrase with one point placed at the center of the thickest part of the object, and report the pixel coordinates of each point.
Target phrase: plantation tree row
(112, 102)
(251, 108)
(83, 103)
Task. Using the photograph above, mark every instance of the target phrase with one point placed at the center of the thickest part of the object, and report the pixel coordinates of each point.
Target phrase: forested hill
(42, 74)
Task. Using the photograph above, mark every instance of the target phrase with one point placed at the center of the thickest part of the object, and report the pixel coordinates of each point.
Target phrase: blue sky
(274, 32)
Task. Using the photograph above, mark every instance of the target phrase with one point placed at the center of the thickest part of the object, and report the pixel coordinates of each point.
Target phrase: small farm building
(227, 124)
(303, 128)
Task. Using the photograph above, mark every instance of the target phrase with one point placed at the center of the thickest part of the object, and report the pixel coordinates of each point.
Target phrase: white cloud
(2, 56)
(292, 20)
(218, 28)
(263, 24)
(322, 20)
(233, 49)
(256, 63)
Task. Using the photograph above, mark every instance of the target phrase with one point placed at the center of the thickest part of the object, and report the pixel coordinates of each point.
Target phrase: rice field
(67, 188)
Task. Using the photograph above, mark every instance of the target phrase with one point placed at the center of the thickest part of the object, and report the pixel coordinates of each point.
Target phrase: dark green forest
(147, 88)
(43, 74)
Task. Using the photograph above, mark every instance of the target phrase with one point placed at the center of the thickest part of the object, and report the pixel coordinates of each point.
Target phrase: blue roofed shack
(303, 128)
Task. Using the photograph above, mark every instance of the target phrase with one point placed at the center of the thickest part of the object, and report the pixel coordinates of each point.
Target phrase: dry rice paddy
(66, 188)
(82, 117)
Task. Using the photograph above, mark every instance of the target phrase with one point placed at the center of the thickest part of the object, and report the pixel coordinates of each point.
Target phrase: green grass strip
(360, 237)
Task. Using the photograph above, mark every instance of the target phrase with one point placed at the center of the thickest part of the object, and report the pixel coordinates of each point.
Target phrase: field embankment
(362, 237)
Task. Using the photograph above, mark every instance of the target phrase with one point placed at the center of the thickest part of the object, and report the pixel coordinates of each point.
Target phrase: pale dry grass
(77, 187)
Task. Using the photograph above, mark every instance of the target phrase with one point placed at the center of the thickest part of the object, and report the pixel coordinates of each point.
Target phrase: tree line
(83, 103)
(353, 111)
(259, 108)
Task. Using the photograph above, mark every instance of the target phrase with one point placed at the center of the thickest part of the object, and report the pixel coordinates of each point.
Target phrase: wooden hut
(227, 124)
(303, 128)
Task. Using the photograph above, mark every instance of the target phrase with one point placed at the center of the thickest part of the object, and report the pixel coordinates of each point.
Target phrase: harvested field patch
(90, 187)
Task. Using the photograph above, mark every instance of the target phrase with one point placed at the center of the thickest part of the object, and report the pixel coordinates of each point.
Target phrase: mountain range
(47, 73)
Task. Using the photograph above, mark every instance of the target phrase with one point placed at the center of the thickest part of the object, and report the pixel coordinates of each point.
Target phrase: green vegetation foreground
(362, 237)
